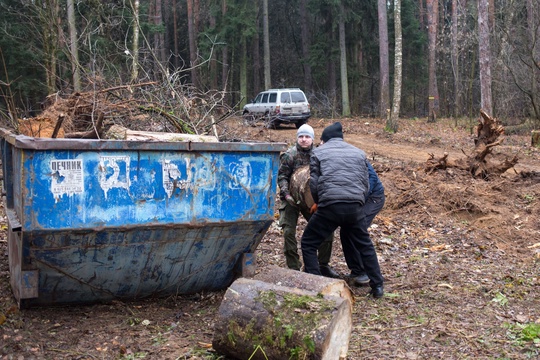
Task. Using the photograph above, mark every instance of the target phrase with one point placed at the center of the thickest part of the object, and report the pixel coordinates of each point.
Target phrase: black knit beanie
(333, 131)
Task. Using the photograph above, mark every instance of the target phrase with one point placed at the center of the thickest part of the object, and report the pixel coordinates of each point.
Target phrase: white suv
(278, 106)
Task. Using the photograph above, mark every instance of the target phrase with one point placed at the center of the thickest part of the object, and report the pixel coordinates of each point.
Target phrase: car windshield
(298, 96)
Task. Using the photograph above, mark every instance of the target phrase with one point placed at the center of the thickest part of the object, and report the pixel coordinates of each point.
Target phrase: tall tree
(266, 47)
(432, 8)
(384, 67)
(192, 36)
(455, 57)
(484, 56)
(308, 81)
(48, 12)
(346, 110)
(392, 124)
(74, 46)
(159, 38)
(135, 45)
(533, 31)
(175, 34)
(224, 53)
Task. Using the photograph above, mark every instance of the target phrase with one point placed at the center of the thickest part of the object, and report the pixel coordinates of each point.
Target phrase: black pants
(352, 220)
(372, 207)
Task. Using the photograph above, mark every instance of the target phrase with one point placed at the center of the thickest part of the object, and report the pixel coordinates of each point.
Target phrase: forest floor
(460, 257)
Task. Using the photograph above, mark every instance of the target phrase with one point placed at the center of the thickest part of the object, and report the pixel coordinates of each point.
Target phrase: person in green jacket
(295, 157)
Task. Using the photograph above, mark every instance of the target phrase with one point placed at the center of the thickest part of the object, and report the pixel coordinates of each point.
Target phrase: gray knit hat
(305, 130)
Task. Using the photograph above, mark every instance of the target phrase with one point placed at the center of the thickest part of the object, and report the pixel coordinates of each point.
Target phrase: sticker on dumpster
(240, 175)
(114, 172)
(172, 175)
(67, 177)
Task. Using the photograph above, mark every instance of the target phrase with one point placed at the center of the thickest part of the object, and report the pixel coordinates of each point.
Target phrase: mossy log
(261, 320)
(297, 279)
(299, 188)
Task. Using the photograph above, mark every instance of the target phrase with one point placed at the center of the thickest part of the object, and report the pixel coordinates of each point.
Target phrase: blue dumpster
(96, 220)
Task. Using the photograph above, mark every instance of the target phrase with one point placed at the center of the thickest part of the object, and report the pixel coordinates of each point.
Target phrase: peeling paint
(113, 172)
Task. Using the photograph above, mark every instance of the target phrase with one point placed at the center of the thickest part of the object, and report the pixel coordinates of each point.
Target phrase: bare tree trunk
(533, 25)
(421, 13)
(484, 57)
(392, 125)
(432, 7)
(159, 40)
(74, 46)
(256, 61)
(135, 45)
(224, 54)
(50, 24)
(266, 47)
(213, 60)
(175, 36)
(192, 34)
(346, 110)
(455, 58)
(384, 67)
(243, 70)
(308, 80)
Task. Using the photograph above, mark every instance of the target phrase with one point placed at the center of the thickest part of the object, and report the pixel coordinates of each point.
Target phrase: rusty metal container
(97, 220)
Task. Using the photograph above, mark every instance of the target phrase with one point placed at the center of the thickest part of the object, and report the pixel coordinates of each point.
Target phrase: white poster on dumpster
(67, 177)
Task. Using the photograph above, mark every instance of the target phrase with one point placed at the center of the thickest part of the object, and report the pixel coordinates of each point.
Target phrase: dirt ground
(460, 257)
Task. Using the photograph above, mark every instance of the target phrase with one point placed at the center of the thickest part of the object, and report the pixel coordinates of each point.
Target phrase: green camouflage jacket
(291, 160)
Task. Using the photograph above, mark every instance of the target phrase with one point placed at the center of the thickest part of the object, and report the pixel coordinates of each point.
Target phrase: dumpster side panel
(77, 190)
(87, 267)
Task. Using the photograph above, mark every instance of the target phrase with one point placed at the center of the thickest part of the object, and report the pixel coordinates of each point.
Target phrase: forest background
(344, 54)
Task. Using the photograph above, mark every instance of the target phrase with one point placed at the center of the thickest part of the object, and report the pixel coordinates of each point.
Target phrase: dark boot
(377, 292)
(326, 270)
(360, 280)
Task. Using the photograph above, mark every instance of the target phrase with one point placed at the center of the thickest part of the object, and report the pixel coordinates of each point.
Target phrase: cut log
(260, 320)
(118, 132)
(291, 278)
(299, 188)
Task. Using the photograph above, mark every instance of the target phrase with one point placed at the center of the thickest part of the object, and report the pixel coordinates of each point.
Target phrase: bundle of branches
(143, 107)
(489, 133)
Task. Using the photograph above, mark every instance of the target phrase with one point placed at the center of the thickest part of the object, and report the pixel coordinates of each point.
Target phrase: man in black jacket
(339, 184)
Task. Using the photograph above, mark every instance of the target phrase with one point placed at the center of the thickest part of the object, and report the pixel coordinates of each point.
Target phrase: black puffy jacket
(338, 173)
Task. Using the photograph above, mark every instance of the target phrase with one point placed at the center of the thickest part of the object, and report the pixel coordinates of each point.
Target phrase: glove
(290, 200)
(313, 209)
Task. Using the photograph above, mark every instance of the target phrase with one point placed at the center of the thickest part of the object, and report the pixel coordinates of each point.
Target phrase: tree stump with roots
(489, 133)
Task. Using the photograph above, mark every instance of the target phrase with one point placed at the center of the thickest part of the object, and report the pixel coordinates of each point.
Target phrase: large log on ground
(291, 278)
(121, 133)
(299, 188)
(261, 320)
